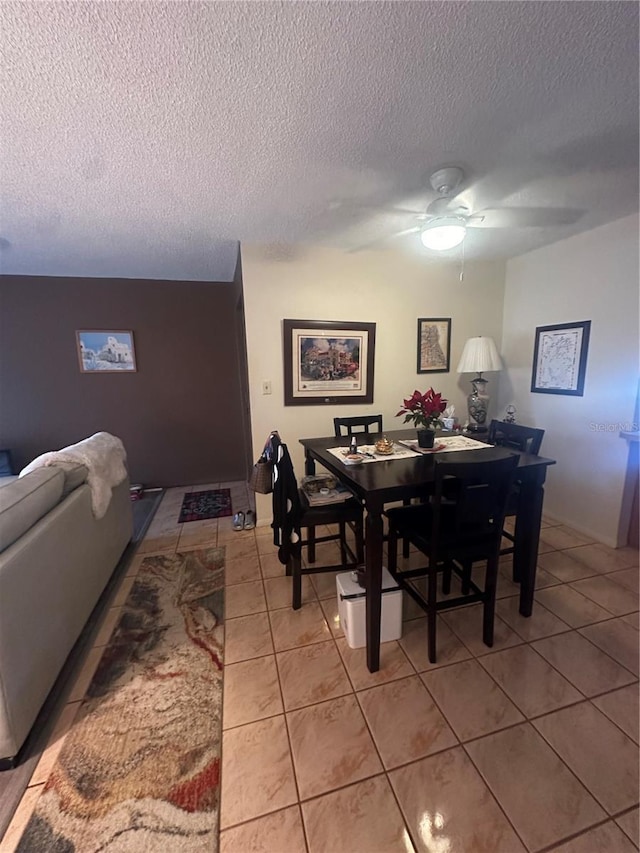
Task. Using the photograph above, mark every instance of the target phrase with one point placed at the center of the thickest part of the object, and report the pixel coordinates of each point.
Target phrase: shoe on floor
(238, 521)
(250, 520)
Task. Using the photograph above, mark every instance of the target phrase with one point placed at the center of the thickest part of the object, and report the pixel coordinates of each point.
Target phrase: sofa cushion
(26, 500)
(74, 477)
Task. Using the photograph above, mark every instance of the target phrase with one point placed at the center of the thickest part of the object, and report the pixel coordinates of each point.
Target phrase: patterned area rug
(213, 503)
(139, 771)
(13, 783)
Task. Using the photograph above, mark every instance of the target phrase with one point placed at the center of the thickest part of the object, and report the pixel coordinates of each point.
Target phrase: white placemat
(447, 443)
(368, 453)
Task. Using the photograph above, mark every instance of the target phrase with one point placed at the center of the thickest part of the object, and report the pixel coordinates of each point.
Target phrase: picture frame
(434, 344)
(328, 362)
(105, 351)
(560, 358)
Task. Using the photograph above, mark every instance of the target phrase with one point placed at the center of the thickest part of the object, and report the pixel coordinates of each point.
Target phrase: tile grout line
(417, 673)
(584, 785)
(286, 722)
(548, 848)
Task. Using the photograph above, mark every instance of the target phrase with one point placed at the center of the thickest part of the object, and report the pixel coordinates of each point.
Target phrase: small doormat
(214, 503)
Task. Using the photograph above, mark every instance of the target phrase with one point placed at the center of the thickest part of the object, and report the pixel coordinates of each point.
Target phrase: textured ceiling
(147, 139)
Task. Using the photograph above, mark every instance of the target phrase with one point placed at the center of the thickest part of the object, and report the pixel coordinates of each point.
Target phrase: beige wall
(592, 276)
(383, 287)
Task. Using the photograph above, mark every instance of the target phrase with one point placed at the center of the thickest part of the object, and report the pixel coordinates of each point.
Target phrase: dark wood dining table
(389, 480)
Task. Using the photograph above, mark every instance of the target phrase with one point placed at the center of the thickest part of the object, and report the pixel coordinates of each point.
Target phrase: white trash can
(351, 607)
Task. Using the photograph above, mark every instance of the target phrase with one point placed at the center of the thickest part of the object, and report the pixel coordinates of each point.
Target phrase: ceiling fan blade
(404, 211)
(447, 206)
(405, 232)
(379, 240)
(382, 208)
(526, 217)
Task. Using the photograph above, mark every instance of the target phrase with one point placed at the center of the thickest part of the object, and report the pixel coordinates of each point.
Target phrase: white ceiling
(147, 139)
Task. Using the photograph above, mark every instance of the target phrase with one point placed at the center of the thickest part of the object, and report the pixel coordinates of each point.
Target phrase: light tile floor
(529, 746)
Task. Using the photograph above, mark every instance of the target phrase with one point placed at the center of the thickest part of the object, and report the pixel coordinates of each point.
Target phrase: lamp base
(478, 405)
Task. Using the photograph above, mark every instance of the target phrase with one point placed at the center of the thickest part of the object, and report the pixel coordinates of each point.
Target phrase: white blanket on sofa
(105, 457)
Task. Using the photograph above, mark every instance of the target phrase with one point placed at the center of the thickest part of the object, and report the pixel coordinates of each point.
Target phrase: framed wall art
(434, 344)
(328, 362)
(560, 358)
(105, 351)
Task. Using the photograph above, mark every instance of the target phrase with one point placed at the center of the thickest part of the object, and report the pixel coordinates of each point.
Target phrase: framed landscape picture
(560, 358)
(434, 344)
(105, 351)
(328, 362)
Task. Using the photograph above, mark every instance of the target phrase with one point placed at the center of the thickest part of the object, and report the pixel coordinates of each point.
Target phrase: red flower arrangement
(423, 409)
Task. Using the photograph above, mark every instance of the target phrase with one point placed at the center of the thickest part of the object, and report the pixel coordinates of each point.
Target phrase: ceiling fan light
(443, 233)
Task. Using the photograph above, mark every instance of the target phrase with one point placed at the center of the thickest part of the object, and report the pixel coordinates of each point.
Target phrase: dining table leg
(527, 536)
(373, 581)
(309, 464)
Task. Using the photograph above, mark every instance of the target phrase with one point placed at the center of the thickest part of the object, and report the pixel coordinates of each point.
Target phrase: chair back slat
(472, 504)
(359, 424)
(477, 514)
(519, 437)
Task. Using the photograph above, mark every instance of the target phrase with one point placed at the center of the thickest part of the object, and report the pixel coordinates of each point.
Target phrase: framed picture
(560, 358)
(328, 362)
(105, 352)
(434, 344)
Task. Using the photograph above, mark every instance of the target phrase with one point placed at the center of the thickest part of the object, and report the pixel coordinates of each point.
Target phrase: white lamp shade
(443, 233)
(479, 355)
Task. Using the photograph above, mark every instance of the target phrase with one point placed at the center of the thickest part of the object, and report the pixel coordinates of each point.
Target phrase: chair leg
(392, 552)
(295, 561)
(359, 534)
(311, 544)
(342, 526)
(512, 539)
(466, 577)
(405, 541)
(432, 613)
(446, 578)
(488, 617)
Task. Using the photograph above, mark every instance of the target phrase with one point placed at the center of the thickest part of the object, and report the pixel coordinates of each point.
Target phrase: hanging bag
(261, 479)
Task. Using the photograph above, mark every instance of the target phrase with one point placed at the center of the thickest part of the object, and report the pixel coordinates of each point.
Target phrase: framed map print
(328, 362)
(560, 358)
(434, 344)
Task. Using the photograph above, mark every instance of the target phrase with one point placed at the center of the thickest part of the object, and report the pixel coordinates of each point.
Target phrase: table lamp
(479, 355)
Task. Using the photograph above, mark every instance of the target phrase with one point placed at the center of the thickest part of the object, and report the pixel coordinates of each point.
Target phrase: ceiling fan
(444, 223)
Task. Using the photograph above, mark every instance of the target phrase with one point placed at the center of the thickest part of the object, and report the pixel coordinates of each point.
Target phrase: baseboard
(586, 531)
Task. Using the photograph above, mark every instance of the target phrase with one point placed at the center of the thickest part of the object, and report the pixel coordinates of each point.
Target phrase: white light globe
(443, 233)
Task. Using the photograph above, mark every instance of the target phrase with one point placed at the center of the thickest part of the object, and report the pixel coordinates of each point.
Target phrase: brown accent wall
(180, 415)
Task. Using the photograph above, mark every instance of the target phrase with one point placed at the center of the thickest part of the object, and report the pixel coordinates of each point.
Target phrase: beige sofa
(55, 560)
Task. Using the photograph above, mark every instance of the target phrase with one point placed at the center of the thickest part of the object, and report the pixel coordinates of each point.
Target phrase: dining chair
(526, 440)
(523, 438)
(453, 535)
(293, 514)
(350, 425)
(358, 424)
